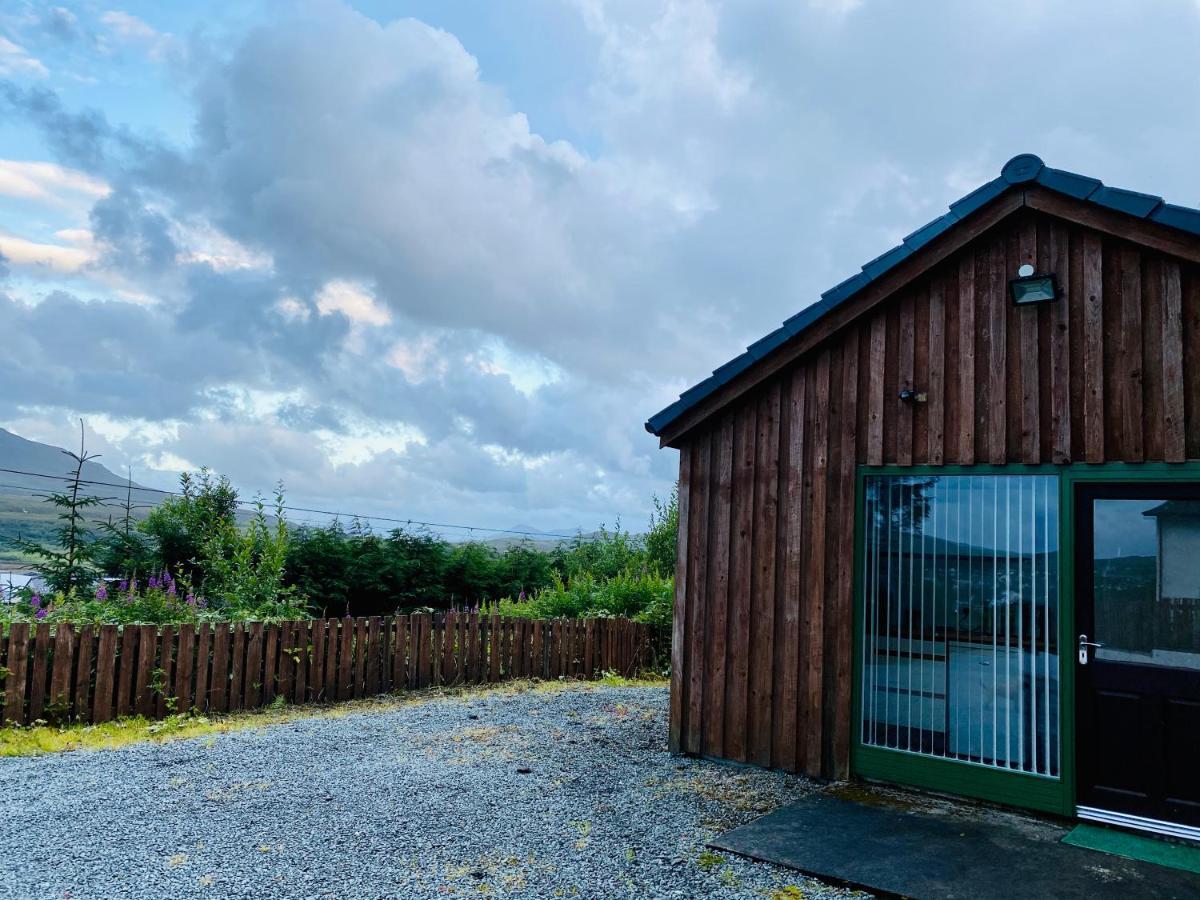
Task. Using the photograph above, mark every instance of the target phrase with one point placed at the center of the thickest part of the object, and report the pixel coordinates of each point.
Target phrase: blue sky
(442, 260)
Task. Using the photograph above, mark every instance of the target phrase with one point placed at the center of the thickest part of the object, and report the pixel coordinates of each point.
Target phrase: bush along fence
(86, 673)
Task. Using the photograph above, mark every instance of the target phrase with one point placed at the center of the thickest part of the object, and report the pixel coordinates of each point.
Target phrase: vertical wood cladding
(765, 597)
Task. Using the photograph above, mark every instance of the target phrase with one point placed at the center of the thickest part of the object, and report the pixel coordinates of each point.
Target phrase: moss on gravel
(39, 739)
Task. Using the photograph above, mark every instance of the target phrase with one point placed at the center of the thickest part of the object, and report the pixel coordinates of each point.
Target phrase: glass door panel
(959, 634)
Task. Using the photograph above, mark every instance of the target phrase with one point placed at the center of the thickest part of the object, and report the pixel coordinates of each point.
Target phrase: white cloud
(51, 258)
(128, 29)
(15, 60)
(48, 182)
(352, 300)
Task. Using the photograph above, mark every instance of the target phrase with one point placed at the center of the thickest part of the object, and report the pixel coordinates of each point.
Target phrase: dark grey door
(1137, 571)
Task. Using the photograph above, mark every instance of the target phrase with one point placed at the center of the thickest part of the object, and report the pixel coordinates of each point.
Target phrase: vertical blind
(960, 626)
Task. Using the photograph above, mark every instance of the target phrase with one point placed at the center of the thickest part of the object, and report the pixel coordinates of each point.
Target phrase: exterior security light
(1031, 288)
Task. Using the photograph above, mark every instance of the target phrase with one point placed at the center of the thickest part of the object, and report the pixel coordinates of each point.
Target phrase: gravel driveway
(567, 793)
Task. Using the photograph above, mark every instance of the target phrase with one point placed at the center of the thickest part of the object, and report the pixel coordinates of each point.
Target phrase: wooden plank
(103, 700)
(1153, 414)
(920, 407)
(740, 573)
(494, 649)
(875, 397)
(286, 660)
(840, 606)
(966, 359)
(477, 649)
(937, 374)
(1174, 447)
(185, 665)
(814, 589)
(787, 621)
(203, 645)
(720, 508)
(437, 638)
(17, 664)
(449, 648)
(85, 652)
(1130, 355)
(539, 650)
(387, 637)
(61, 675)
(39, 674)
(360, 656)
(126, 668)
(253, 680)
(1060, 348)
(219, 681)
(762, 581)
(272, 642)
(696, 565)
(147, 701)
(424, 663)
(373, 654)
(303, 647)
(316, 670)
(1191, 361)
(589, 647)
(1027, 317)
(995, 302)
(904, 410)
(333, 636)
(1093, 342)
(400, 654)
(345, 688)
(237, 665)
(163, 673)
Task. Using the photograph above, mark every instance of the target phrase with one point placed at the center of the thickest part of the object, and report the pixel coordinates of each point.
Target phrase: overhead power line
(303, 509)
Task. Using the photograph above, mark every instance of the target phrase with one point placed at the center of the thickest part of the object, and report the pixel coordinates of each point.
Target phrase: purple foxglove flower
(35, 601)
(123, 586)
(190, 599)
(41, 613)
(153, 583)
(101, 591)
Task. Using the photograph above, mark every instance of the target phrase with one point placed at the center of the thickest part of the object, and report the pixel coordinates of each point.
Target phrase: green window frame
(1011, 788)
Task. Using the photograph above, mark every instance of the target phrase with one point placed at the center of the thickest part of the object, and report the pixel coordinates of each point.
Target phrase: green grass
(36, 740)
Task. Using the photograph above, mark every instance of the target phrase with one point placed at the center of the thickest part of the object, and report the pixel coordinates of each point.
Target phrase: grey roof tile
(1022, 169)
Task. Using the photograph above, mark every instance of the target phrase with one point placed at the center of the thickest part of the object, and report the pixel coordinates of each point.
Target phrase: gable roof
(1025, 169)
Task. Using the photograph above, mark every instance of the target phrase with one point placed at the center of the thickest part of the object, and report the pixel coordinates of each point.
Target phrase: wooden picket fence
(88, 673)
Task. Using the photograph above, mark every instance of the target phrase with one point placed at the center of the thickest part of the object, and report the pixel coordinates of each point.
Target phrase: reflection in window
(1146, 565)
(960, 624)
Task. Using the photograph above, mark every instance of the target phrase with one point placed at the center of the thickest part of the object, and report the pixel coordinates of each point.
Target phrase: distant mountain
(23, 510)
(25, 455)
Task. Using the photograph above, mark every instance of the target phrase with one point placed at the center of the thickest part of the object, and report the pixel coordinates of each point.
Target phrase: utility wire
(304, 509)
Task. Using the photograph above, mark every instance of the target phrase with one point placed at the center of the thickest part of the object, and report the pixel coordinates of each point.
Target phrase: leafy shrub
(637, 595)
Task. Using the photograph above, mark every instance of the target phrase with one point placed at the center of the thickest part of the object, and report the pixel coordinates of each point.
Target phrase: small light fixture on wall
(1029, 288)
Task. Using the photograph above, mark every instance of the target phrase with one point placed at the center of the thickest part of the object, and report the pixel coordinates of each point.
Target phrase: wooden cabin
(934, 530)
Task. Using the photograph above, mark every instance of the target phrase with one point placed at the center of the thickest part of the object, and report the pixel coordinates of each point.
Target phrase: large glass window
(960, 623)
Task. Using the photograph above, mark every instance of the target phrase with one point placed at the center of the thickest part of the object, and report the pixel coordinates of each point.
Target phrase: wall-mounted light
(1029, 288)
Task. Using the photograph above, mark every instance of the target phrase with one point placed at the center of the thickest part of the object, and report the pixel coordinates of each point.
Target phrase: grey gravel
(569, 793)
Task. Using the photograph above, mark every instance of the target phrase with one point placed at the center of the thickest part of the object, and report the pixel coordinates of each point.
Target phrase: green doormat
(1134, 846)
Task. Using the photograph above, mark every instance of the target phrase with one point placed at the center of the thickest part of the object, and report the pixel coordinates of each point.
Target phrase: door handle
(1084, 643)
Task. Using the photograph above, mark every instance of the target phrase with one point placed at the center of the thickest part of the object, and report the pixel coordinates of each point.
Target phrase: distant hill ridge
(25, 455)
(23, 512)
